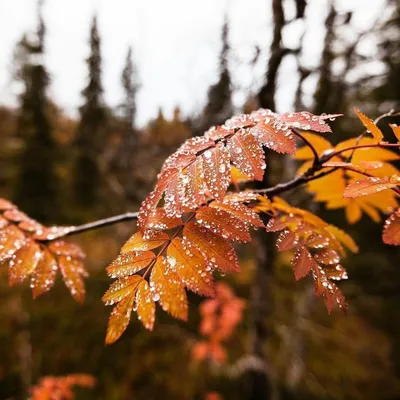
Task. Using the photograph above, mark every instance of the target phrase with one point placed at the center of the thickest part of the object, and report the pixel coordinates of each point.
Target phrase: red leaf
(160, 221)
(307, 121)
(287, 240)
(219, 252)
(191, 187)
(240, 121)
(275, 136)
(391, 231)
(302, 262)
(327, 257)
(275, 225)
(149, 204)
(216, 171)
(247, 154)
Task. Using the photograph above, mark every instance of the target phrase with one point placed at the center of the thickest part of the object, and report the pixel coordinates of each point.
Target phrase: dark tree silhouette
(92, 130)
(36, 184)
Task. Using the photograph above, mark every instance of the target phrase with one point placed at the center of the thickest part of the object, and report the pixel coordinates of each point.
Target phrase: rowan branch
(128, 216)
(309, 144)
(306, 177)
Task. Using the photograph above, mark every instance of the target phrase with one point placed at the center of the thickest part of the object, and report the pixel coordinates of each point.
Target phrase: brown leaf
(191, 266)
(219, 252)
(23, 262)
(168, 289)
(391, 230)
(44, 275)
(72, 271)
(11, 239)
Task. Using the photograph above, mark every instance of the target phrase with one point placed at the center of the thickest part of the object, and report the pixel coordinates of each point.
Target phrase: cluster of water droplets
(247, 154)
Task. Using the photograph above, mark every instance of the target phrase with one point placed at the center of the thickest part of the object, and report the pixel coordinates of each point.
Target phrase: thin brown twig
(309, 144)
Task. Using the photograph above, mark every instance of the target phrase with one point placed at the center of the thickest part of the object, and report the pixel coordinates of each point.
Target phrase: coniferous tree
(219, 98)
(129, 139)
(36, 185)
(91, 133)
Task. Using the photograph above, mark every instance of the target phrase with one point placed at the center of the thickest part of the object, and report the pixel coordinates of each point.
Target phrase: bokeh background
(94, 95)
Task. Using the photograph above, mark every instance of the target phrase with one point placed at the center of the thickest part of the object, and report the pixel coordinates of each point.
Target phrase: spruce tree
(129, 138)
(219, 97)
(36, 187)
(91, 134)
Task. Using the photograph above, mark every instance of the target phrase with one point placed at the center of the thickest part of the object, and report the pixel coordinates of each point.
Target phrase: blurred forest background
(63, 169)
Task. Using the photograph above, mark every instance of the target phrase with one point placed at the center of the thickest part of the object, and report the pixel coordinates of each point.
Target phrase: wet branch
(129, 216)
(307, 176)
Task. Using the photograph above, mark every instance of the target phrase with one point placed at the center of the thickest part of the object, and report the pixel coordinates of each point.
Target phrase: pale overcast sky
(175, 46)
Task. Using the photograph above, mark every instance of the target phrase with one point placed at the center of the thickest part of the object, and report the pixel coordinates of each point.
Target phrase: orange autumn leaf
(367, 186)
(223, 223)
(370, 125)
(119, 318)
(168, 288)
(33, 250)
(130, 263)
(145, 306)
(219, 252)
(191, 266)
(138, 243)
